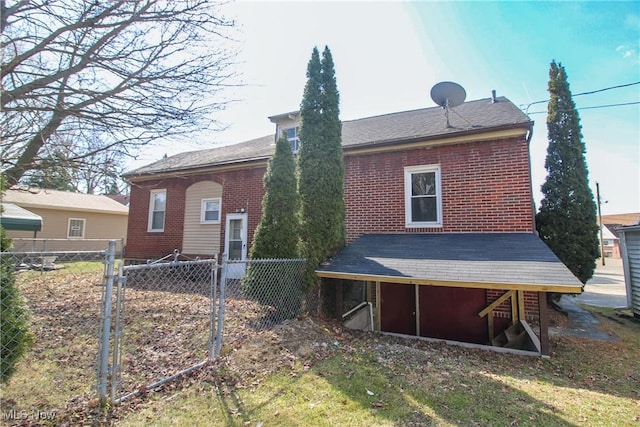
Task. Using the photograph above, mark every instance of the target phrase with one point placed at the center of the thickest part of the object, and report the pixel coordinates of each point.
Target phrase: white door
(235, 244)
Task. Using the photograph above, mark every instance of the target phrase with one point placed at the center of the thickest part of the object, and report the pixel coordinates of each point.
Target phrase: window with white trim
(423, 196)
(210, 211)
(157, 208)
(293, 138)
(75, 230)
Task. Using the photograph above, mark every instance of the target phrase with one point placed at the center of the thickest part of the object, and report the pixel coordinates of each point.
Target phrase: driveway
(605, 289)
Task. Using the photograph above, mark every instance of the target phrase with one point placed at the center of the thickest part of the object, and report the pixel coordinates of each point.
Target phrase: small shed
(630, 246)
(13, 217)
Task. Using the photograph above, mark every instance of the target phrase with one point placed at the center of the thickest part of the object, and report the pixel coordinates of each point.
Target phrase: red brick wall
(486, 187)
(504, 309)
(242, 189)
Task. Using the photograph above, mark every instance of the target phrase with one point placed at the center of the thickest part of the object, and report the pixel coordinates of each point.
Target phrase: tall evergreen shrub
(277, 237)
(321, 165)
(567, 220)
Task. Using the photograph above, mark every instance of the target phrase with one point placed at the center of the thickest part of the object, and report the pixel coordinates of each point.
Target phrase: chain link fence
(269, 293)
(163, 319)
(167, 318)
(122, 330)
(62, 246)
(61, 291)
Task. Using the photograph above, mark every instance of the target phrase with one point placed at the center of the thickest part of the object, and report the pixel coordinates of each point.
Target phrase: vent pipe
(493, 96)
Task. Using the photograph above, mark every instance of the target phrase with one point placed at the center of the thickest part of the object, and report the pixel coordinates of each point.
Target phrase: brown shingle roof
(64, 200)
(426, 123)
(622, 219)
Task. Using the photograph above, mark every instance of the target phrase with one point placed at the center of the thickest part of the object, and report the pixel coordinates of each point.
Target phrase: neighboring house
(610, 242)
(70, 221)
(611, 235)
(440, 219)
(619, 220)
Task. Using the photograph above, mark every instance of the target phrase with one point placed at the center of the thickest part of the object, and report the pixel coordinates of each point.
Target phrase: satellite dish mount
(448, 95)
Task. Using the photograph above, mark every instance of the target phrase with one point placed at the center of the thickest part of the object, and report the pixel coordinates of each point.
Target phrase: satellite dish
(447, 95)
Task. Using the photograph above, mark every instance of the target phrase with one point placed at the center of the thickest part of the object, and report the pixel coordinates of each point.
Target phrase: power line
(592, 107)
(583, 93)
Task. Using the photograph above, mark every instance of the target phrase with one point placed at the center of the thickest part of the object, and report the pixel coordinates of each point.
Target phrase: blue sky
(388, 55)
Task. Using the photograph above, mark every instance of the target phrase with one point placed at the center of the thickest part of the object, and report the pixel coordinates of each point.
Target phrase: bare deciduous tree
(129, 72)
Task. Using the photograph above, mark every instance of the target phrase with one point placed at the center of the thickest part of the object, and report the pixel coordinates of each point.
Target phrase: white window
(423, 196)
(210, 212)
(76, 228)
(157, 208)
(293, 138)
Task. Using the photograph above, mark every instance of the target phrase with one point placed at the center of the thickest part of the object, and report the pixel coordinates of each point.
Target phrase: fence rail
(44, 245)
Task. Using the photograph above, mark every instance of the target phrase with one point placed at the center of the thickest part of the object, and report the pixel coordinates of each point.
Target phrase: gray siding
(200, 239)
(630, 246)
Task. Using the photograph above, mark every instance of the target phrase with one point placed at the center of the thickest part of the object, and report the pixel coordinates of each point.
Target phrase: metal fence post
(212, 319)
(223, 286)
(117, 333)
(103, 355)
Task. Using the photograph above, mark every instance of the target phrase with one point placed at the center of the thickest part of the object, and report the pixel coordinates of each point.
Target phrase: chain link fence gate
(158, 324)
(177, 316)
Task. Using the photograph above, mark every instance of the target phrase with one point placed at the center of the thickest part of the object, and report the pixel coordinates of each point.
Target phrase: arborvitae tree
(15, 337)
(567, 220)
(277, 237)
(321, 165)
(277, 233)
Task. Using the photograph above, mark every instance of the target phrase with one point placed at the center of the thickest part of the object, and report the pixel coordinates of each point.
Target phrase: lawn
(364, 379)
(314, 373)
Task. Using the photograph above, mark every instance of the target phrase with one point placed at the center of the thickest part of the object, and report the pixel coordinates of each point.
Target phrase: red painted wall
(486, 187)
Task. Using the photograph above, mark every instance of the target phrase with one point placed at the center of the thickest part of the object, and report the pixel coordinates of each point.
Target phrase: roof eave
(424, 281)
(73, 208)
(195, 170)
(525, 126)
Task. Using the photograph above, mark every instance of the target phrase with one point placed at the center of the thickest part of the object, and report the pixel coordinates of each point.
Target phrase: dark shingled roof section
(513, 258)
(472, 116)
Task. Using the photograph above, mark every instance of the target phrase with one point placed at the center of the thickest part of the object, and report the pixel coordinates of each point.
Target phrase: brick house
(440, 220)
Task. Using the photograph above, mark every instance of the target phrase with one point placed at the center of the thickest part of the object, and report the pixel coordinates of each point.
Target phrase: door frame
(244, 232)
(236, 270)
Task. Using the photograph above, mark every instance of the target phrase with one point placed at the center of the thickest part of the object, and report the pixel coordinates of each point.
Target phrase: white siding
(200, 239)
(631, 258)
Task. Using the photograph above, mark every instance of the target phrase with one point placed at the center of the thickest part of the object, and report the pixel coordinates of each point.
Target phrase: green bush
(15, 338)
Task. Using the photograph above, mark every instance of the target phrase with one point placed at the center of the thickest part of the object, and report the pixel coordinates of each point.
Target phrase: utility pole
(600, 222)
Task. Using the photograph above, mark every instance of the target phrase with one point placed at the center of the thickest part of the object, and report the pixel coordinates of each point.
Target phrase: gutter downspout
(533, 203)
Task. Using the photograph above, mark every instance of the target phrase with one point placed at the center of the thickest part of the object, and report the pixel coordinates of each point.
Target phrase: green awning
(14, 217)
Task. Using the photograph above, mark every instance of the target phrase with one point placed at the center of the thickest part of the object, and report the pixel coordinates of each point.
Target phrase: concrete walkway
(605, 289)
